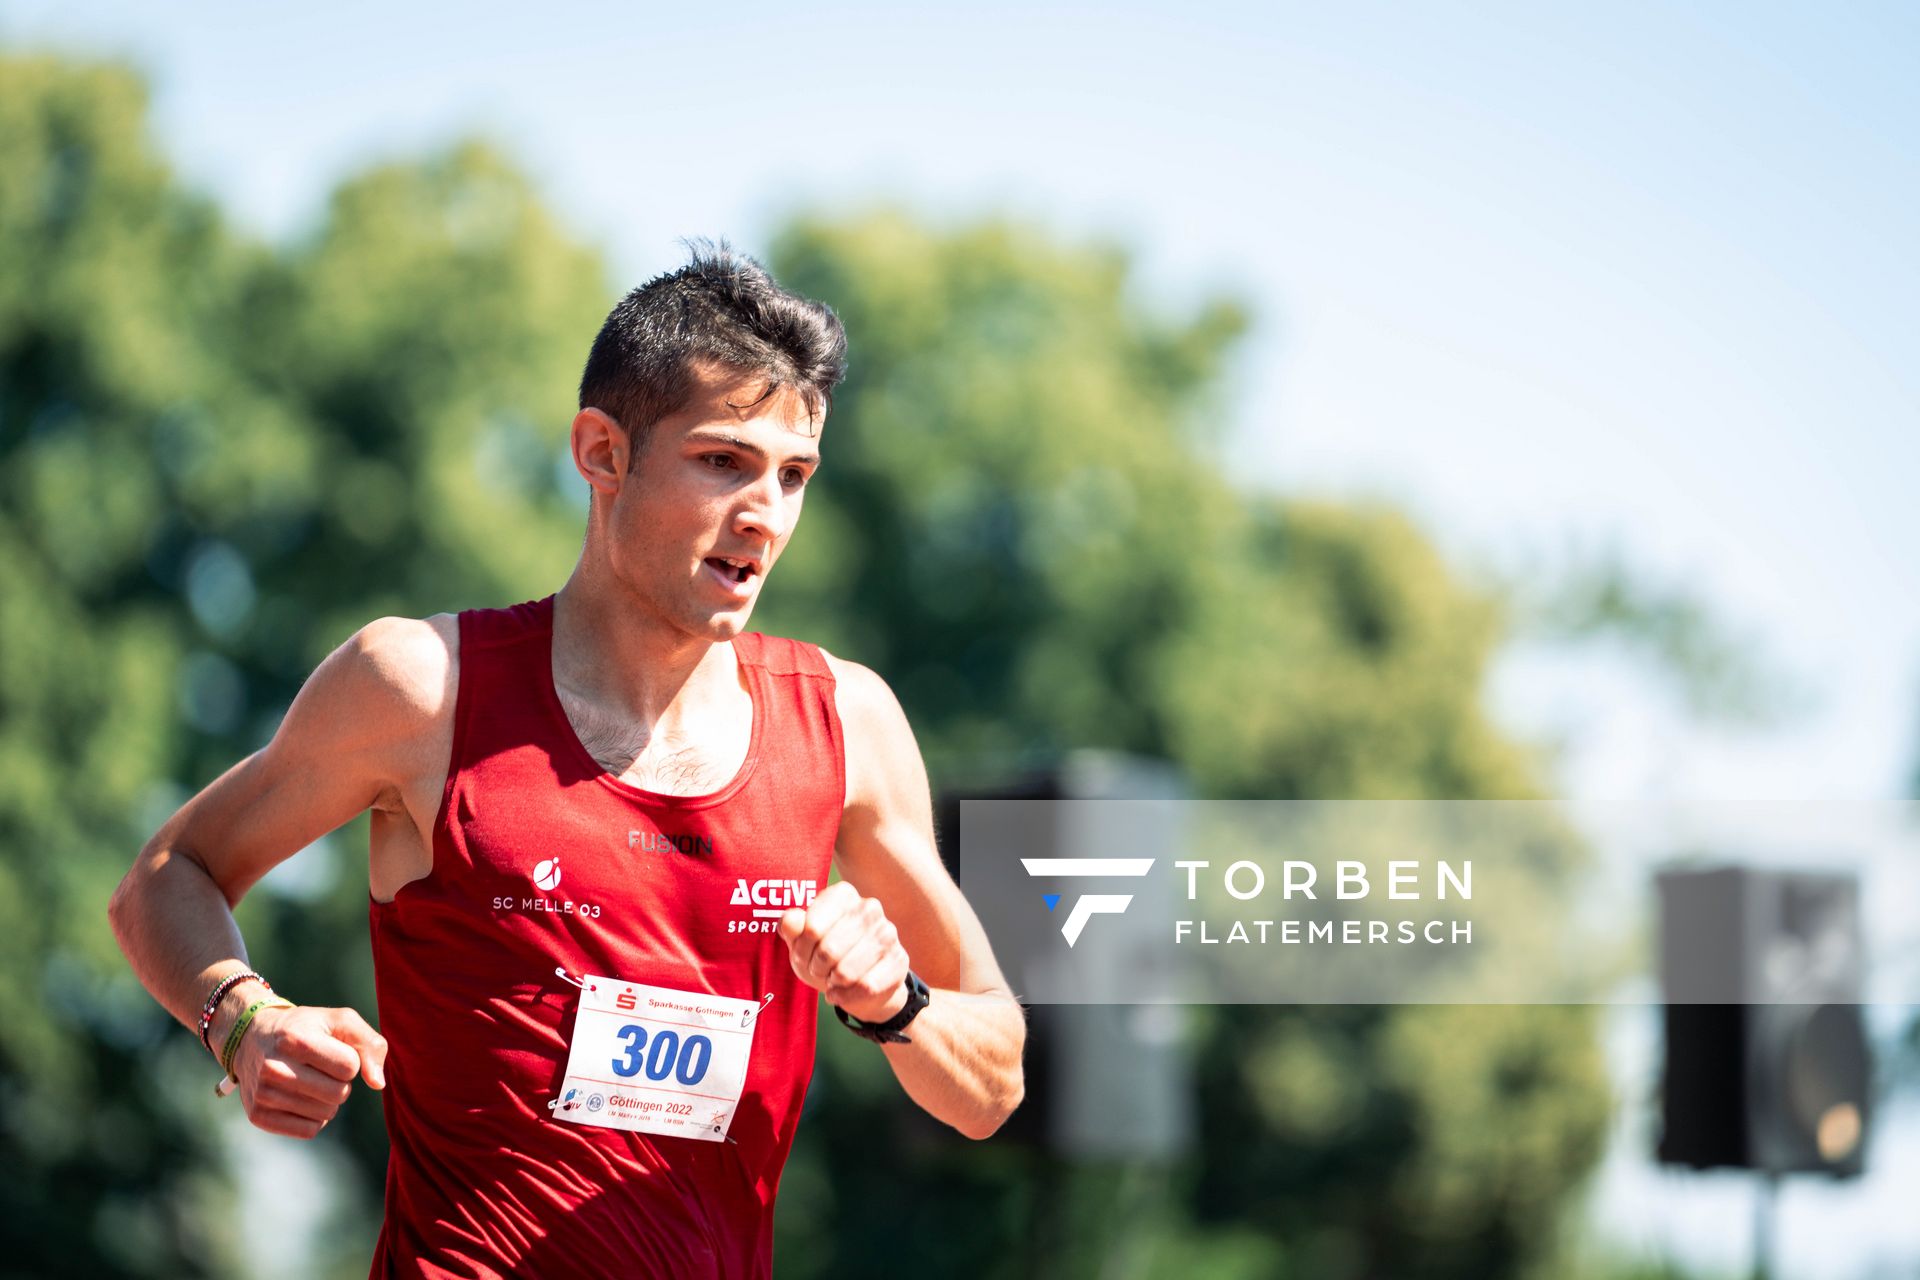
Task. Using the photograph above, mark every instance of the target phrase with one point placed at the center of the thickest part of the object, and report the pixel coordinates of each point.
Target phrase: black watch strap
(888, 1032)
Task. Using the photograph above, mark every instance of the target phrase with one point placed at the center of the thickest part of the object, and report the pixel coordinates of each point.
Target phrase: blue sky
(1557, 279)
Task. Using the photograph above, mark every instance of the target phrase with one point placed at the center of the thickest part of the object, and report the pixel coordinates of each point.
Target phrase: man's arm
(896, 906)
(368, 719)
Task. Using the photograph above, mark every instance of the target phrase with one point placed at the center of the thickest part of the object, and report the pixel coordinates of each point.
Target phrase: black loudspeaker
(1767, 1063)
(1103, 1081)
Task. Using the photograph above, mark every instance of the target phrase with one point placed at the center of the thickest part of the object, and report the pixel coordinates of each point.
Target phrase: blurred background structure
(1331, 405)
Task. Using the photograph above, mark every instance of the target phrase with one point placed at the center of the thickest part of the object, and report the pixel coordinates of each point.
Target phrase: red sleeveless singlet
(482, 1180)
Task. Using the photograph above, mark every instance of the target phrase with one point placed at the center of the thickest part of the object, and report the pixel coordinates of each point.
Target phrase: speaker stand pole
(1766, 1194)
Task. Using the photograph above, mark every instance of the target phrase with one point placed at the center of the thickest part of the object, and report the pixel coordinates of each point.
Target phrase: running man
(602, 829)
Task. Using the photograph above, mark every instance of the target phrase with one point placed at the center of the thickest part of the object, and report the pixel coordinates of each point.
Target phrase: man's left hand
(843, 946)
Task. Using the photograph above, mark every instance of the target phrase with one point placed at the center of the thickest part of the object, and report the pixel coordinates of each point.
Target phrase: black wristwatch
(888, 1032)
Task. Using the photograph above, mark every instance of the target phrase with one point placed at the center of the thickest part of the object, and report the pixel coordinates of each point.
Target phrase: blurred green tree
(217, 460)
(114, 289)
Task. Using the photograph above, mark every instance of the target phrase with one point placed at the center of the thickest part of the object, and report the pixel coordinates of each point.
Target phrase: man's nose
(762, 509)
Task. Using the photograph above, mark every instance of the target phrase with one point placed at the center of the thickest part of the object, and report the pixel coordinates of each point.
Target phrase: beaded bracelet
(212, 1005)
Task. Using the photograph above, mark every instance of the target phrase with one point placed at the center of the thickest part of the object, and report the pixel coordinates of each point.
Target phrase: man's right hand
(296, 1066)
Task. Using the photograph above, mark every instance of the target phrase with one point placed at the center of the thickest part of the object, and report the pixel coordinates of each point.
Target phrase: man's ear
(600, 448)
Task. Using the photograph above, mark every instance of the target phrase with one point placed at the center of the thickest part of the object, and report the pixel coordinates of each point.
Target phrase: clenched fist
(296, 1066)
(843, 946)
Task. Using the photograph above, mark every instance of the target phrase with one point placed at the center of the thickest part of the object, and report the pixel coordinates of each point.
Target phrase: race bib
(656, 1060)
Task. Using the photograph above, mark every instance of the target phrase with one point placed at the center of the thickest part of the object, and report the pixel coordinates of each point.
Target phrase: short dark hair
(724, 309)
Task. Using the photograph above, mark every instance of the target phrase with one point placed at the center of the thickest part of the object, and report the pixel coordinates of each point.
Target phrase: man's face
(700, 518)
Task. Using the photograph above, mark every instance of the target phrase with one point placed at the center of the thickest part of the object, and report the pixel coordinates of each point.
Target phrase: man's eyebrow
(747, 446)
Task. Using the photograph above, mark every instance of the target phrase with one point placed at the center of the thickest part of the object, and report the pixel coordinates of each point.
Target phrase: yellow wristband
(231, 1047)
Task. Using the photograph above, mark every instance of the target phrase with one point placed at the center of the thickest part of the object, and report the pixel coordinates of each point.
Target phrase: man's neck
(626, 660)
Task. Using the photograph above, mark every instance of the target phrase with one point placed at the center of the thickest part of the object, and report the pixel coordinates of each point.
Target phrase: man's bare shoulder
(866, 703)
(884, 770)
(390, 685)
(410, 664)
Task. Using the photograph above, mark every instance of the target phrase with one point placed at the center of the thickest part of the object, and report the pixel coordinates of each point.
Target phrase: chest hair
(652, 761)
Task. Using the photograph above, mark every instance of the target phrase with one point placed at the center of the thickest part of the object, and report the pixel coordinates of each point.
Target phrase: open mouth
(734, 571)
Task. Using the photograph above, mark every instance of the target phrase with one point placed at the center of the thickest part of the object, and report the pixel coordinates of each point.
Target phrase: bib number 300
(656, 1060)
(685, 1060)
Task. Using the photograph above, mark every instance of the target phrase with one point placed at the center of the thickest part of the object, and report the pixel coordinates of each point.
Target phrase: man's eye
(718, 461)
(794, 477)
